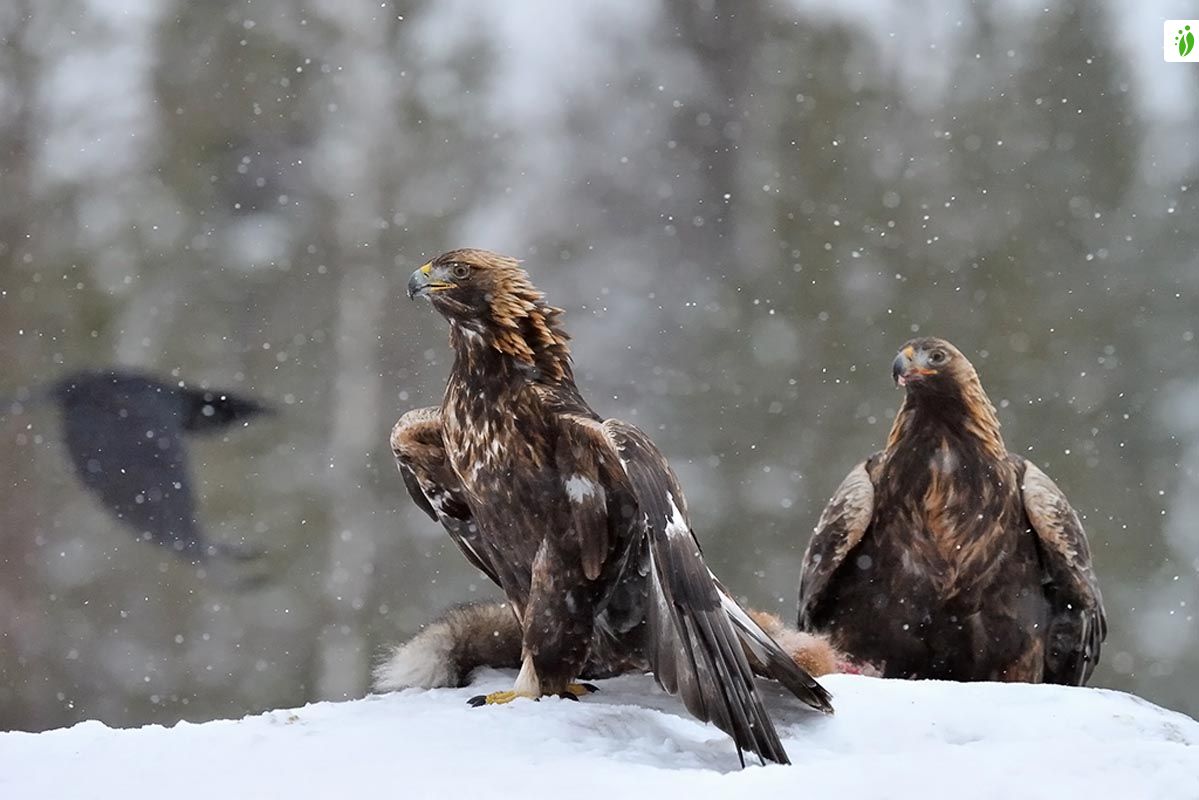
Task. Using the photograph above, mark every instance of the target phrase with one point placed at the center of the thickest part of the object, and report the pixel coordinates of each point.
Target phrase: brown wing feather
(694, 647)
(840, 529)
(1077, 625)
(600, 498)
(420, 456)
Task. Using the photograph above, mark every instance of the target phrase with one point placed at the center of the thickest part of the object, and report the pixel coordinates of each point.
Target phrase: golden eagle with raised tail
(578, 519)
(945, 556)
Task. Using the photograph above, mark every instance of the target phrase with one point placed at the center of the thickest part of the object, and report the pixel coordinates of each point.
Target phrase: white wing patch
(677, 524)
(580, 489)
(439, 500)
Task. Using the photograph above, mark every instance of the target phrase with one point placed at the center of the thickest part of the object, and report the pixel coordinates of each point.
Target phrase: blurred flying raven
(125, 433)
(945, 556)
(580, 520)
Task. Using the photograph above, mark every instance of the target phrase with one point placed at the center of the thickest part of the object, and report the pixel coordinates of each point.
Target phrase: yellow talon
(494, 699)
(573, 692)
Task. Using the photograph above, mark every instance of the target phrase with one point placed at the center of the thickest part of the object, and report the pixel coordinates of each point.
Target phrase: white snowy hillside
(888, 739)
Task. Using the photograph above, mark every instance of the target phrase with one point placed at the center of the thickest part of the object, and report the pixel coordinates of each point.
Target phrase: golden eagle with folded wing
(578, 519)
(945, 556)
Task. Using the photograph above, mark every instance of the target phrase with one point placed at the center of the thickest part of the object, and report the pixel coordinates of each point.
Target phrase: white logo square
(1182, 36)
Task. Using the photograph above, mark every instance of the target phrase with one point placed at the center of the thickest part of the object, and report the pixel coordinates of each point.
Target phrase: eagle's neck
(965, 415)
(493, 408)
(525, 342)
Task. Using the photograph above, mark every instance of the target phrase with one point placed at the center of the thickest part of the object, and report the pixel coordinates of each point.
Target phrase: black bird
(125, 433)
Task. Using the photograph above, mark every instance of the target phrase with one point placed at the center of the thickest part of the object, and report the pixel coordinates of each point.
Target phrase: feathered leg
(557, 626)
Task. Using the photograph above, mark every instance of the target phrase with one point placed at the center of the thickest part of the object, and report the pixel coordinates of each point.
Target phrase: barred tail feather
(698, 653)
(700, 641)
(789, 662)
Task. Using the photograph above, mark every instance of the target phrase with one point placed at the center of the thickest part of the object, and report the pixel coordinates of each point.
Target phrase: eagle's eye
(937, 358)
(459, 270)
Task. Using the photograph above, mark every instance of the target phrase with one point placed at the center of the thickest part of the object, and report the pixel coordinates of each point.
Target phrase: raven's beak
(418, 283)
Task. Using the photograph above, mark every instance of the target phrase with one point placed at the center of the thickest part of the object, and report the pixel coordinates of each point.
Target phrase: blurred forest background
(745, 209)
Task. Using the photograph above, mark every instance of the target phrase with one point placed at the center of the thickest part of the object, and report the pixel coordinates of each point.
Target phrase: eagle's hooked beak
(906, 368)
(898, 367)
(420, 283)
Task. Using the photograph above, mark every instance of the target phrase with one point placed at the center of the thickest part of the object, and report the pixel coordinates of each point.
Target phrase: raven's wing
(840, 529)
(1077, 624)
(127, 448)
(694, 648)
(420, 455)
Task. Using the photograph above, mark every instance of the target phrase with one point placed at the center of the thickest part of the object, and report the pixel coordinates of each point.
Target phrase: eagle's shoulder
(1069, 576)
(843, 523)
(1054, 520)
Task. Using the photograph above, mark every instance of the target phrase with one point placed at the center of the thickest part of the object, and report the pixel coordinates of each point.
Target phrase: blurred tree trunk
(720, 36)
(20, 697)
(356, 422)
(352, 162)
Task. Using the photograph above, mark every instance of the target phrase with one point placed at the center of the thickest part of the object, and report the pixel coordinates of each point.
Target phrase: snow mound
(887, 739)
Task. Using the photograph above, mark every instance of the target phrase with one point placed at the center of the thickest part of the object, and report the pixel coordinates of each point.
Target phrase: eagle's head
(472, 285)
(942, 382)
(930, 366)
(488, 299)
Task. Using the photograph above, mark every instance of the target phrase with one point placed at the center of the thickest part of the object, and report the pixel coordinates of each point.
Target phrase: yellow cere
(427, 268)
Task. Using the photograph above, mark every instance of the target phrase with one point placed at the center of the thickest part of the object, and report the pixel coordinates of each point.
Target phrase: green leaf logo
(1185, 41)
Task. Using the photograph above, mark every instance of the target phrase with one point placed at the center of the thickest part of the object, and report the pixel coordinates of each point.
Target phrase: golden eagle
(578, 519)
(945, 556)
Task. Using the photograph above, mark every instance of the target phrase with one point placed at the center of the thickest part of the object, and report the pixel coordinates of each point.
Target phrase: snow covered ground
(888, 739)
